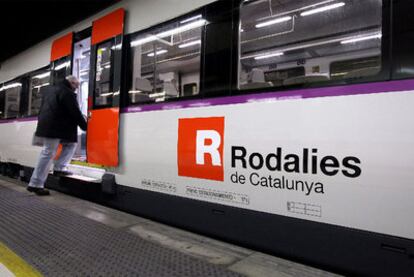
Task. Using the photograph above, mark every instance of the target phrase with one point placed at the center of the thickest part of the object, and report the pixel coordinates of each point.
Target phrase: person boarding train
(58, 122)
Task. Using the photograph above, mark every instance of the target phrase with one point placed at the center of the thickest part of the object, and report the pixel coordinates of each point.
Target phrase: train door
(104, 89)
(80, 69)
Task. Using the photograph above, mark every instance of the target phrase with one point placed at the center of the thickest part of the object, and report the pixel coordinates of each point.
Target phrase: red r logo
(200, 148)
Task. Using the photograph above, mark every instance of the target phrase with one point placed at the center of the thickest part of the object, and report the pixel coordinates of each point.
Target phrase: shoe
(39, 191)
(31, 189)
(62, 173)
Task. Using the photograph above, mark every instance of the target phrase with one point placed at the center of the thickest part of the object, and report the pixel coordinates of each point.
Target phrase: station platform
(59, 235)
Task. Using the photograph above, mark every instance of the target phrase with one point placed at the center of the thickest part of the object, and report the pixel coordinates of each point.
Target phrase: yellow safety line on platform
(15, 264)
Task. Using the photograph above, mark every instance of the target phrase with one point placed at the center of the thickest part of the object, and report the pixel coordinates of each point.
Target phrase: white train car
(285, 126)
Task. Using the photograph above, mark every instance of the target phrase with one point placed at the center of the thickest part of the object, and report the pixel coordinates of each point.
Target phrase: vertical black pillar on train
(216, 65)
(24, 97)
(403, 37)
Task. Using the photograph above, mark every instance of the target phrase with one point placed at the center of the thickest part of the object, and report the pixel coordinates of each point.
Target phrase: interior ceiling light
(13, 85)
(361, 38)
(43, 85)
(117, 47)
(191, 19)
(323, 9)
(43, 75)
(134, 91)
(191, 43)
(157, 53)
(315, 43)
(269, 55)
(273, 21)
(171, 32)
(63, 65)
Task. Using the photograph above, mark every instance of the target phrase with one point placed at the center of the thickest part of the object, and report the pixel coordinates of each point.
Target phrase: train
(283, 126)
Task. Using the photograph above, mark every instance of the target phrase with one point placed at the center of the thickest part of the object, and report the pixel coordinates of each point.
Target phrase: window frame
(117, 65)
(382, 75)
(93, 72)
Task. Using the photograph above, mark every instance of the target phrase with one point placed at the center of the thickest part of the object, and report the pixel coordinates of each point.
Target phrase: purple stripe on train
(32, 118)
(383, 87)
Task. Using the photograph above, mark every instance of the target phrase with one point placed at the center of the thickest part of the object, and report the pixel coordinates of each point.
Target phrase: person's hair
(72, 78)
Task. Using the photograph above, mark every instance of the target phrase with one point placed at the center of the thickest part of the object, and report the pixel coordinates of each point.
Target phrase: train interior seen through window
(166, 61)
(295, 42)
(38, 81)
(10, 97)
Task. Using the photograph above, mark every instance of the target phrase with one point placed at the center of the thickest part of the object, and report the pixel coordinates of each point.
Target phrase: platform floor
(60, 235)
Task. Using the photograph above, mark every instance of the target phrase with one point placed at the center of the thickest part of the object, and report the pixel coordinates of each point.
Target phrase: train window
(104, 74)
(11, 92)
(60, 69)
(324, 40)
(38, 81)
(166, 61)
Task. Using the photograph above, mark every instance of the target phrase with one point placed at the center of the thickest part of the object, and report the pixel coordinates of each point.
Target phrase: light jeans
(50, 146)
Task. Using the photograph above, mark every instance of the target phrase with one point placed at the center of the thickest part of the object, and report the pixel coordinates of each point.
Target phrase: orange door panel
(108, 26)
(61, 47)
(102, 138)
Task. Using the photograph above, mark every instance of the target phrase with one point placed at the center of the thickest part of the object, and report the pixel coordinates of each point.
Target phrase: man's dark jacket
(59, 114)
